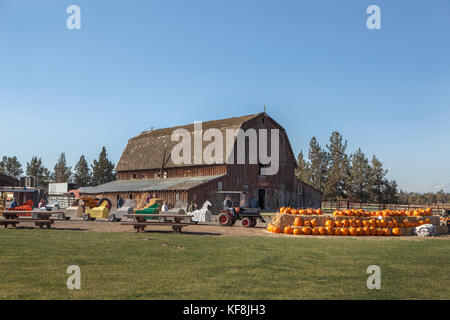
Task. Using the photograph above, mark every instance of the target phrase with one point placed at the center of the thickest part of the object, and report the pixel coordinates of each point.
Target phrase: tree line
(354, 177)
(101, 170)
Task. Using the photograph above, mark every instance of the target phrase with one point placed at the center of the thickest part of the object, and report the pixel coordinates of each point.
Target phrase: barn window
(134, 175)
(219, 185)
(263, 120)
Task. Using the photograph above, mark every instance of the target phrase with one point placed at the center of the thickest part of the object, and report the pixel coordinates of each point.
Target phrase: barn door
(262, 198)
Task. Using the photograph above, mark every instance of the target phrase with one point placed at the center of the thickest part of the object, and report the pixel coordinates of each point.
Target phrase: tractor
(248, 216)
(94, 209)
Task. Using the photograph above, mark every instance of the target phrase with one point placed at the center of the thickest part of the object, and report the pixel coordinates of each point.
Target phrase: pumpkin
(329, 231)
(297, 231)
(294, 211)
(366, 231)
(383, 223)
(390, 224)
(329, 223)
(337, 231)
(429, 211)
(421, 222)
(360, 231)
(396, 232)
(358, 223)
(386, 231)
(427, 220)
(365, 223)
(379, 232)
(282, 210)
(352, 223)
(353, 231)
(401, 225)
(345, 223)
(344, 232)
(338, 223)
(307, 223)
(319, 212)
(314, 231)
(298, 222)
(288, 230)
(306, 230)
(269, 227)
(373, 223)
(322, 231)
(302, 212)
(406, 223)
(314, 223)
(372, 231)
(276, 229)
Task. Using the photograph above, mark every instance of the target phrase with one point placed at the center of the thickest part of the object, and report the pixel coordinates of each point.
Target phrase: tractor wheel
(112, 218)
(86, 217)
(246, 222)
(254, 222)
(224, 219)
(61, 216)
(34, 216)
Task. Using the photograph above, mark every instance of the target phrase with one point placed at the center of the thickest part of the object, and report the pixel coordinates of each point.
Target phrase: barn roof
(146, 150)
(168, 184)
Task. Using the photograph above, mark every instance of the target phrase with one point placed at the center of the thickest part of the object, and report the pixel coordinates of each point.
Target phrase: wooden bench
(40, 219)
(140, 221)
(39, 222)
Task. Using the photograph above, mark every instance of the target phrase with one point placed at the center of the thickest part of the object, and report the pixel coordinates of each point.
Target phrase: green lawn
(181, 266)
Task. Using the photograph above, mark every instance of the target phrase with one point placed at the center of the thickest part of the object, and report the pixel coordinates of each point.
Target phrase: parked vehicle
(118, 214)
(101, 210)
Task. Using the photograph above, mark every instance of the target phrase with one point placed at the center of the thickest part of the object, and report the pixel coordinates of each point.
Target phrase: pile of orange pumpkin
(347, 227)
(384, 213)
(304, 212)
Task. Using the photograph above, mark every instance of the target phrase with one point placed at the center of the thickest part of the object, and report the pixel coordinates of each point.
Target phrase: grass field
(176, 266)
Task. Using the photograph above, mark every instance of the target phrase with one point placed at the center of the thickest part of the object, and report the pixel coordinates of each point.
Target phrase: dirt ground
(210, 229)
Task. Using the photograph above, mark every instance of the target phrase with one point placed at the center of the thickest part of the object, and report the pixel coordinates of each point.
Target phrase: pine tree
(302, 171)
(359, 177)
(377, 180)
(318, 164)
(82, 175)
(61, 171)
(102, 170)
(338, 167)
(10, 166)
(41, 174)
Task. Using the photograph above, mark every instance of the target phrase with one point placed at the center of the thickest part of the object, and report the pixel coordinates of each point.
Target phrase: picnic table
(40, 218)
(177, 221)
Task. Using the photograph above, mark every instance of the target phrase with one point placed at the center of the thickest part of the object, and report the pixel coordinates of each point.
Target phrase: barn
(146, 167)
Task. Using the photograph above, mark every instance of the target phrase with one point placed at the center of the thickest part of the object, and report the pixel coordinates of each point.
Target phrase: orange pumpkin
(282, 209)
(288, 230)
(338, 223)
(298, 222)
(344, 232)
(329, 223)
(329, 231)
(358, 223)
(365, 223)
(352, 223)
(427, 220)
(314, 223)
(406, 223)
(386, 231)
(401, 225)
(345, 223)
(396, 232)
(306, 230)
(322, 231)
(373, 223)
(297, 231)
(421, 222)
(390, 224)
(360, 231)
(379, 232)
(372, 231)
(353, 231)
(276, 229)
(366, 231)
(337, 231)
(383, 223)
(269, 227)
(314, 231)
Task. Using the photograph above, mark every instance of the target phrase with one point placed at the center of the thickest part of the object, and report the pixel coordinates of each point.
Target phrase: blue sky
(141, 64)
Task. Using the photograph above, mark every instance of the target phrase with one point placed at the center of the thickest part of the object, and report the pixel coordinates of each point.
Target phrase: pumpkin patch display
(288, 230)
(298, 222)
(297, 231)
